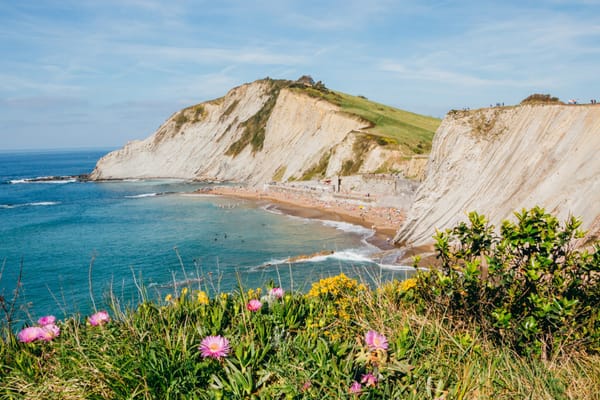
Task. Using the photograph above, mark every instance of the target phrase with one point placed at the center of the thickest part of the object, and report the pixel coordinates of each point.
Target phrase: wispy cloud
(423, 55)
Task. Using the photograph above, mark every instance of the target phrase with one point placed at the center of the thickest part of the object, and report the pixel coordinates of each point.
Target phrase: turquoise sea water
(150, 233)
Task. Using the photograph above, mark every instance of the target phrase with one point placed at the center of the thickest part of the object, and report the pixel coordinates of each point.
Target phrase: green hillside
(389, 125)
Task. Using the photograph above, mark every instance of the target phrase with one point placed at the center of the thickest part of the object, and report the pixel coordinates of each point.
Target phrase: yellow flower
(202, 297)
(408, 284)
(169, 297)
(184, 291)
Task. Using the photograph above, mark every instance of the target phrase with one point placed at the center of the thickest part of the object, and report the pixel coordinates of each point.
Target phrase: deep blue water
(151, 233)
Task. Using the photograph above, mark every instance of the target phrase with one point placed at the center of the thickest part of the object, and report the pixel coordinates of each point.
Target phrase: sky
(99, 73)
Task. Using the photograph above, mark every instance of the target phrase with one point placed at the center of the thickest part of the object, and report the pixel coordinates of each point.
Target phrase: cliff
(270, 130)
(495, 161)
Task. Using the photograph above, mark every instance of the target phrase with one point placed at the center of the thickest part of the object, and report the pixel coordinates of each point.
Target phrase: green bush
(529, 287)
(541, 98)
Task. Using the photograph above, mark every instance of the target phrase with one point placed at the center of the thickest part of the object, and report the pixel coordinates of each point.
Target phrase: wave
(34, 204)
(177, 284)
(152, 194)
(270, 208)
(348, 227)
(397, 267)
(344, 255)
(139, 196)
(45, 179)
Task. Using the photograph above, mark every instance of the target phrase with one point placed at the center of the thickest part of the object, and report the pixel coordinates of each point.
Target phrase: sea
(68, 245)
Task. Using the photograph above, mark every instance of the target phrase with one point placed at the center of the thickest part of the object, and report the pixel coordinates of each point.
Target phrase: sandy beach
(383, 220)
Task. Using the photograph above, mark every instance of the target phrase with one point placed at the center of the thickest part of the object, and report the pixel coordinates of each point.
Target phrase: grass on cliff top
(412, 131)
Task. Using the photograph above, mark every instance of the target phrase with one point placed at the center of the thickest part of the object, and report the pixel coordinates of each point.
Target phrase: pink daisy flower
(369, 379)
(276, 292)
(214, 347)
(376, 341)
(49, 332)
(99, 318)
(355, 387)
(46, 320)
(254, 305)
(30, 334)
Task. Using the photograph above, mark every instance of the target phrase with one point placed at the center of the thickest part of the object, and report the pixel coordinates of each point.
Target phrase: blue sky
(98, 73)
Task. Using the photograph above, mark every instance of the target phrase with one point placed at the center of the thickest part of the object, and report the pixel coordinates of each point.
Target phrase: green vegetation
(278, 175)
(385, 125)
(512, 316)
(254, 127)
(189, 115)
(527, 288)
(413, 132)
(360, 148)
(538, 98)
(317, 170)
(230, 109)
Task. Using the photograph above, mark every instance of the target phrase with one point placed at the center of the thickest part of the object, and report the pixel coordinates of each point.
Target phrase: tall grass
(302, 346)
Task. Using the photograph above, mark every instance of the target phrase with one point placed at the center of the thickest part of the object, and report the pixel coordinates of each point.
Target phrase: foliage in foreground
(437, 336)
(528, 287)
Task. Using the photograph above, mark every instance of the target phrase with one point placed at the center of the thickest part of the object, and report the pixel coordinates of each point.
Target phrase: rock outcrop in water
(498, 160)
(259, 132)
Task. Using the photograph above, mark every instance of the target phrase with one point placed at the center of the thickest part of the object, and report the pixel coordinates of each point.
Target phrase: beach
(384, 221)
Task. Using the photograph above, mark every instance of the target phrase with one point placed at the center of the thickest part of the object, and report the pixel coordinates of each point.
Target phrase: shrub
(541, 98)
(528, 287)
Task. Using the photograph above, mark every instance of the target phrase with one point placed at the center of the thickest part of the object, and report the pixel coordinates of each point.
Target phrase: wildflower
(376, 341)
(369, 379)
(30, 334)
(355, 387)
(306, 386)
(100, 318)
(408, 284)
(169, 297)
(214, 347)
(49, 332)
(276, 292)
(254, 305)
(46, 320)
(184, 291)
(203, 297)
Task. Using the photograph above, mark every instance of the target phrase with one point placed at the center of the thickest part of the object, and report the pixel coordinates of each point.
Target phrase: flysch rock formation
(500, 160)
(206, 141)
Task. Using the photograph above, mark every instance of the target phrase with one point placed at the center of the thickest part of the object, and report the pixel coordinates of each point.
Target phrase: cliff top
(389, 125)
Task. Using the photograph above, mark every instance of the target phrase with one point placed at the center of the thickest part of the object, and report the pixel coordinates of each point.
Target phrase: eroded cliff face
(257, 133)
(500, 160)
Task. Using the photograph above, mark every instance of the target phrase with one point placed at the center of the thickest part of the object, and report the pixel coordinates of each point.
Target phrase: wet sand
(383, 220)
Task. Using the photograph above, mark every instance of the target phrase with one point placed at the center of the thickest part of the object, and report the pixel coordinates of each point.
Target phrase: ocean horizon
(78, 242)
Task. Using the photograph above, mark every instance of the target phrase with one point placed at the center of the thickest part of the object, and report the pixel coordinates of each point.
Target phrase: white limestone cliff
(499, 160)
(196, 143)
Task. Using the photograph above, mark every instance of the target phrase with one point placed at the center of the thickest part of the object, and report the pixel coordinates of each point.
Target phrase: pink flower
(214, 347)
(376, 341)
(254, 305)
(30, 334)
(46, 320)
(369, 379)
(355, 387)
(306, 386)
(99, 318)
(276, 292)
(49, 332)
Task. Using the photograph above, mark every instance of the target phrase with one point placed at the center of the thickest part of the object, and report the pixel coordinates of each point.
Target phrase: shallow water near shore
(152, 234)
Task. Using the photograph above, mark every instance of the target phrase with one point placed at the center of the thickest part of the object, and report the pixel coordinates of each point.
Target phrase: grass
(318, 169)
(302, 346)
(255, 126)
(412, 131)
